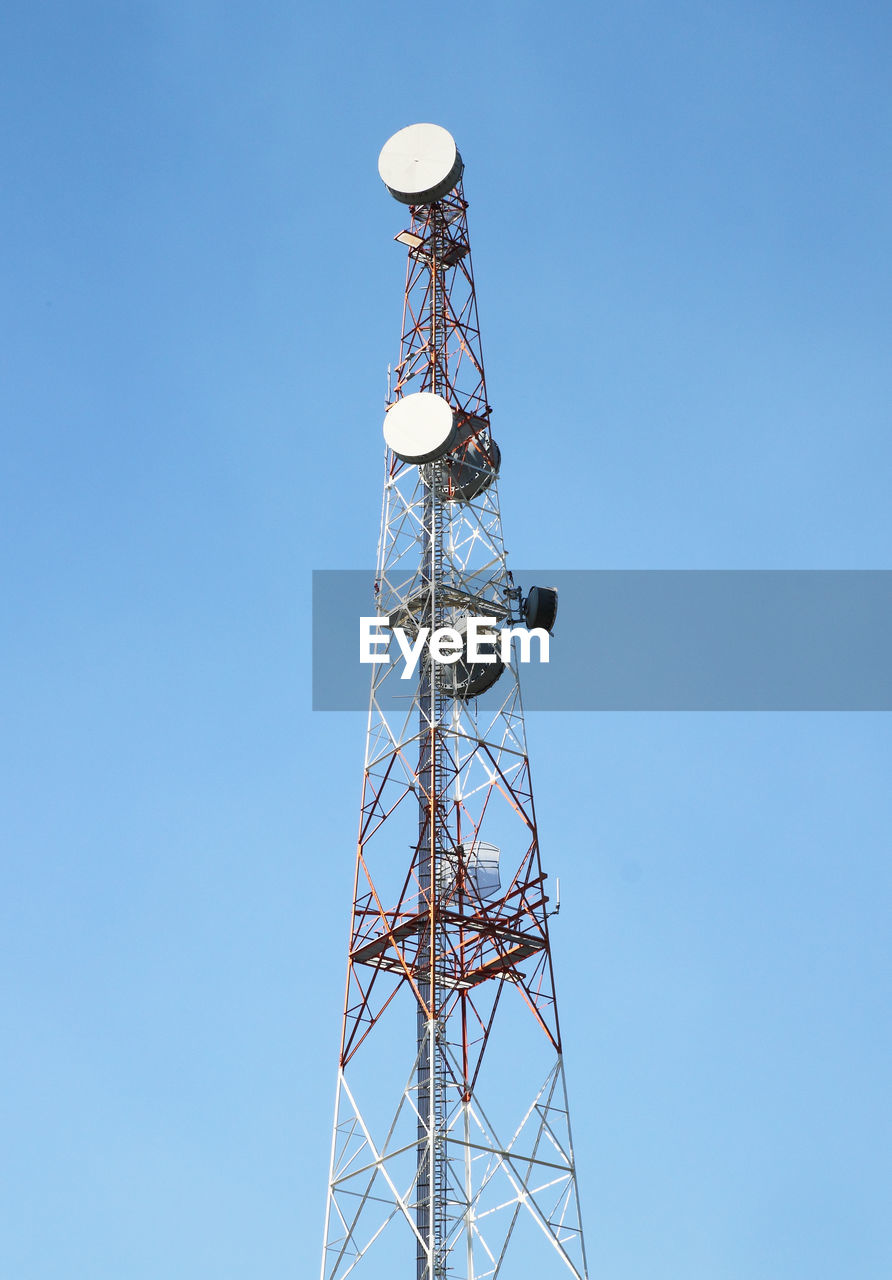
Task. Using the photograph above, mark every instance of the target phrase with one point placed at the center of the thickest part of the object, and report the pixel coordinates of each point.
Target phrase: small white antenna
(387, 401)
(557, 895)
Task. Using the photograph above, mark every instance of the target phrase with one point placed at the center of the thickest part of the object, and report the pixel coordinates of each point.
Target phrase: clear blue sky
(681, 221)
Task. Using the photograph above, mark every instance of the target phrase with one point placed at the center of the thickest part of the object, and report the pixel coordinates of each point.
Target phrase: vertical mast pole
(430, 1211)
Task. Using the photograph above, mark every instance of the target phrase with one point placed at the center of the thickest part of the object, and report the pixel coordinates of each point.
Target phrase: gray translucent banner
(661, 640)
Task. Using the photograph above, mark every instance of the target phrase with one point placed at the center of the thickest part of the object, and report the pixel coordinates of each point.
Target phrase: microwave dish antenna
(420, 164)
(420, 427)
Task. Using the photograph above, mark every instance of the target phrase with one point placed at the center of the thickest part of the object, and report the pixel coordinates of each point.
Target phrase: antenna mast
(454, 1154)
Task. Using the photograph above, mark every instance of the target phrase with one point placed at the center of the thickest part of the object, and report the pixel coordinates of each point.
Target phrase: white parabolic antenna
(420, 427)
(420, 164)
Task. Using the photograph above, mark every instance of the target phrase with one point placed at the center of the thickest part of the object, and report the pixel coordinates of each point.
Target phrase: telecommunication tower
(451, 1151)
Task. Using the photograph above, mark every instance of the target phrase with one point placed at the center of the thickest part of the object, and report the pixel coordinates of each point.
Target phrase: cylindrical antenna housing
(420, 164)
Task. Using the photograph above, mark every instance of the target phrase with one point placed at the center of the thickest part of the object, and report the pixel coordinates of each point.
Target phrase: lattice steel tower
(451, 1152)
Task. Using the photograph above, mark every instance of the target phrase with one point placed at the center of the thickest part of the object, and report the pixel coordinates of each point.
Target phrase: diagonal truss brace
(492, 1185)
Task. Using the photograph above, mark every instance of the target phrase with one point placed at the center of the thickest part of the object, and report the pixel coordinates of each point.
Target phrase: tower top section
(420, 164)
